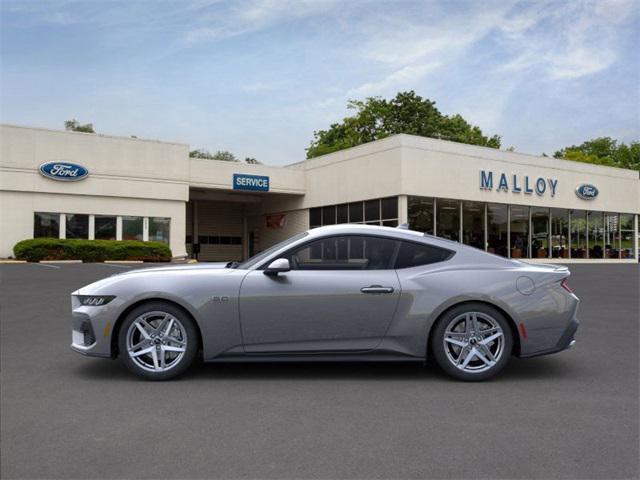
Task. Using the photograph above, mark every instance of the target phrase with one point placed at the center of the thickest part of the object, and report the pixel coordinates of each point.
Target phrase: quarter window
(415, 254)
(344, 253)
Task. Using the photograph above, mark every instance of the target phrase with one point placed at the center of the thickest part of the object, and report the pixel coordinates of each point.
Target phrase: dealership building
(78, 185)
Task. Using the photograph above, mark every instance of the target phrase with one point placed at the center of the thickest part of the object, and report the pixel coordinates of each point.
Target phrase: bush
(36, 249)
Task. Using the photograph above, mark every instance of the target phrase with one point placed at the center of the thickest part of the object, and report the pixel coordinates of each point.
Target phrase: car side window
(349, 252)
(416, 254)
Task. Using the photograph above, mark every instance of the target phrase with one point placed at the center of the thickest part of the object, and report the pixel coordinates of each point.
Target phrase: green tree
(604, 151)
(252, 161)
(377, 118)
(75, 126)
(219, 155)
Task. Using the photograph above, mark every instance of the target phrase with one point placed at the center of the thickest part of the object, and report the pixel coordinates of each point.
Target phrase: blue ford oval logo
(64, 171)
(586, 191)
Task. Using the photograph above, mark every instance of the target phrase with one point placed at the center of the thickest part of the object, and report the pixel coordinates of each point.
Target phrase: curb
(8, 261)
(60, 261)
(123, 261)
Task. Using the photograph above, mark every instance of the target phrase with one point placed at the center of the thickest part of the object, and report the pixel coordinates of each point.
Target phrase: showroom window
(473, 224)
(559, 233)
(578, 234)
(105, 227)
(539, 232)
(77, 226)
(595, 235)
(46, 225)
(519, 232)
(420, 214)
(448, 219)
(159, 228)
(381, 211)
(611, 234)
(497, 228)
(132, 228)
(626, 236)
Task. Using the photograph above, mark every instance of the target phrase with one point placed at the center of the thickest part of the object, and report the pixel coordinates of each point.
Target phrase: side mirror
(279, 265)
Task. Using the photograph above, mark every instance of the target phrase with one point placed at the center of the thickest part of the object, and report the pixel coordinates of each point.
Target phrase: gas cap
(525, 285)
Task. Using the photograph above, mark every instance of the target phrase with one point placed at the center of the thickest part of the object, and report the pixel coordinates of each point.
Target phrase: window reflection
(611, 235)
(596, 235)
(448, 219)
(497, 228)
(578, 234)
(559, 233)
(420, 214)
(626, 236)
(519, 231)
(46, 225)
(473, 224)
(539, 232)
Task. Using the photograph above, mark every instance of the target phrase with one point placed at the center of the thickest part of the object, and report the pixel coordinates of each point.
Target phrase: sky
(258, 77)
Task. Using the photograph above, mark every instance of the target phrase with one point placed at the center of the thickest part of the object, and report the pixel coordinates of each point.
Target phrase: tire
(468, 352)
(158, 341)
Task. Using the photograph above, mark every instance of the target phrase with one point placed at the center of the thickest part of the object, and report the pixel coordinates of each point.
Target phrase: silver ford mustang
(339, 293)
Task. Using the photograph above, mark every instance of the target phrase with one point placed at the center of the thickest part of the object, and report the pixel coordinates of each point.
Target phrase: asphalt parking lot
(570, 415)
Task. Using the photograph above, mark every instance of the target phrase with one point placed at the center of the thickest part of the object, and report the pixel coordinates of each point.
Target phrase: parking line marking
(46, 265)
(113, 265)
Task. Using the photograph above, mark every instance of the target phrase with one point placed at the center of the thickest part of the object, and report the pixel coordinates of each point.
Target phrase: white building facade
(76, 185)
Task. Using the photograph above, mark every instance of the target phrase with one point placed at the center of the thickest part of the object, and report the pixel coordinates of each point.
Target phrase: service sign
(63, 171)
(586, 191)
(256, 183)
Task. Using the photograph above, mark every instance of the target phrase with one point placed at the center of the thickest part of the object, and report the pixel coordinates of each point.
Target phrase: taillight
(565, 285)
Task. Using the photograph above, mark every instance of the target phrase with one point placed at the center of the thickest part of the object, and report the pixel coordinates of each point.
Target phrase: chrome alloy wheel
(156, 341)
(473, 342)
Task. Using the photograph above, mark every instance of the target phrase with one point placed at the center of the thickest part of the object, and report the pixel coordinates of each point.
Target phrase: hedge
(36, 249)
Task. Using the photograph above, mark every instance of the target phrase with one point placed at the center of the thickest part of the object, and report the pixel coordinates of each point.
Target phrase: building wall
(126, 177)
(294, 222)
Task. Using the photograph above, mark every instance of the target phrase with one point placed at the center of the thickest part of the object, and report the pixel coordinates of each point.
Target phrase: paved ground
(572, 415)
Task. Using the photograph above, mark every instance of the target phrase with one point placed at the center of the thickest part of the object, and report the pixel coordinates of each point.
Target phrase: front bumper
(92, 328)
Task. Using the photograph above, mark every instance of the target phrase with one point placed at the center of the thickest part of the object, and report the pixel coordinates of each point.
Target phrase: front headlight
(95, 300)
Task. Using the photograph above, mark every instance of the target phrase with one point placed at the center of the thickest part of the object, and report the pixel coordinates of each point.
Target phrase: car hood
(102, 286)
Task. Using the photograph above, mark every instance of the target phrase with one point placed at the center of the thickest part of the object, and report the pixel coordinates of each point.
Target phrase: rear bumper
(566, 340)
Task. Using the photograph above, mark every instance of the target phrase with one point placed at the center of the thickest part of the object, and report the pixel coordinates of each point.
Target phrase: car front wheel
(158, 341)
(472, 342)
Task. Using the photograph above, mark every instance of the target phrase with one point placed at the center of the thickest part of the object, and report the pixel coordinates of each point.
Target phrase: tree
(219, 155)
(377, 118)
(75, 126)
(604, 151)
(252, 161)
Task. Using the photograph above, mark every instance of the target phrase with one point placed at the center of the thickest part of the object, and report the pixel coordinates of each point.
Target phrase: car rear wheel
(158, 341)
(472, 342)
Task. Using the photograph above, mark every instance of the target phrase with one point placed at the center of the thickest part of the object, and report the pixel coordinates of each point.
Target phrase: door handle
(376, 289)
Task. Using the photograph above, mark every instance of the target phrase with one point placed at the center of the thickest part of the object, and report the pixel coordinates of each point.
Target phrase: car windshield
(264, 254)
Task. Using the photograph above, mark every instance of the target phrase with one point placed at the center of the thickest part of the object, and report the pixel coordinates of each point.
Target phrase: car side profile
(338, 293)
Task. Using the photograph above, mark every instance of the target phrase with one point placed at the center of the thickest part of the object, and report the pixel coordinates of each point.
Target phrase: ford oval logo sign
(63, 171)
(586, 191)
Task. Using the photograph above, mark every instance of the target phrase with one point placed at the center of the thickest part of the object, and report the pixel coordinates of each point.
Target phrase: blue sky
(258, 77)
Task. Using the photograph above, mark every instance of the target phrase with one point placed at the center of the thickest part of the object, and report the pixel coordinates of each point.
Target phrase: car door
(340, 295)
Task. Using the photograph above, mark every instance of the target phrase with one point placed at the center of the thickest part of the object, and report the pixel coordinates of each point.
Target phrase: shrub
(36, 249)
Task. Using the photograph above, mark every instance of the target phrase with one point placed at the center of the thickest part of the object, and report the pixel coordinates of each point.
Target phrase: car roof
(392, 232)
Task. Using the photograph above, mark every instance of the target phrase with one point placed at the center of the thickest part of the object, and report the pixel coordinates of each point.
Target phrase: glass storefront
(497, 229)
(159, 229)
(379, 211)
(420, 214)
(559, 233)
(105, 227)
(77, 226)
(519, 231)
(46, 225)
(539, 232)
(132, 228)
(473, 224)
(448, 219)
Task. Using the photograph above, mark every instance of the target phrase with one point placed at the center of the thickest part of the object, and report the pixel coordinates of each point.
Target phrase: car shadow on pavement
(518, 370)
